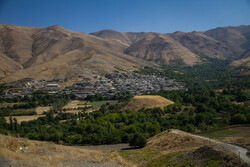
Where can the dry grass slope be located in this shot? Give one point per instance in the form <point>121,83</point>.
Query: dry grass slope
<point>147,101</point>
<point>169,142</point>
<point>171,149</point>
<point>47,154</point>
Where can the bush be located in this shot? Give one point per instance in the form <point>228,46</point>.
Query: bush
<point>239,119</point>
<point>138,140</point>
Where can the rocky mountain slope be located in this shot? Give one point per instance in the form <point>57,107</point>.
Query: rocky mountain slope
<point>28,53</point>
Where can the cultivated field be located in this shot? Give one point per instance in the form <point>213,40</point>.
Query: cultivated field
<point>74,104</point>
<point>39,113</point>
<point>72,107</point>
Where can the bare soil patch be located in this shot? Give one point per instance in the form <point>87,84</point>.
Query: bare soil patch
<point>39,111</point>
<point>74,104</point>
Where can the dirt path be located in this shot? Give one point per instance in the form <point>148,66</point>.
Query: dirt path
<point>111,147</point>
<point>229,147</point>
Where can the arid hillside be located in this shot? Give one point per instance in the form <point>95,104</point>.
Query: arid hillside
<point>147,101</point>
<point>177,148</point>
<point>57,53</point>
<point>162,49</point>
<point>26,153</point>
<point>29,53</point>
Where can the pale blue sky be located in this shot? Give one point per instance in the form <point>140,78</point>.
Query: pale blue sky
<point>126,15</point>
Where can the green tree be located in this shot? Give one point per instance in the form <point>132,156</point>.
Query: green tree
<point>138,140</point>
<point>239,119</point>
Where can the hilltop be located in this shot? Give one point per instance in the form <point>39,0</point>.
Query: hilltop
<point>147,101</point>
<point>30,53</point>
<point>169,148</point>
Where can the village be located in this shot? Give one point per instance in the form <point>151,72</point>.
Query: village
<point>107,85</point>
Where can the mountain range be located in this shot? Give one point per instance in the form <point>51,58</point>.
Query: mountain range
<point>30,53</point>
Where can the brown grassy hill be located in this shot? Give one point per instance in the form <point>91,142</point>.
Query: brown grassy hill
<point>113,35</point>
<point>171,149</point>
<point>147,101</point>
<point>124,38</point>
<point>162,49</point>
<point>235,37</point>
<point>57,53</point>
<point>168,141</point>
<point>244,61</point>
<point>26,153</point>
<point>202,44</point>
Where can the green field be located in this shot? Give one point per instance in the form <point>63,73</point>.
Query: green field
<point>220,133</point>
<point>98,104</point>
<point>83,103</point>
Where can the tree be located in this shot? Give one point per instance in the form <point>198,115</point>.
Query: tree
<point>239,119</point>
<point>16,125</point>
<point>138,140</point>
<point>11,123</point>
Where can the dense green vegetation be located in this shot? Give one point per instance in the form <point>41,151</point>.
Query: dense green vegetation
<point>39,98</point>
<point>111,125</point>
<point>200,108</point>
<point>19,109</point>
<point>213,73</point>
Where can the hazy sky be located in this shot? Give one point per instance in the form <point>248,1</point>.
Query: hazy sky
<point>126,15</point>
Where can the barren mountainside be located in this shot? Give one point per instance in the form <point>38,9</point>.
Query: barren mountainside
<point>57,53</point>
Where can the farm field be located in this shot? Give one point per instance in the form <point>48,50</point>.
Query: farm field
<point>74,104</point>
<point>39,113</point>
<point>72,107</point>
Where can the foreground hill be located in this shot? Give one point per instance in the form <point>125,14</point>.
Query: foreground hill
<point>147,101</point>
<point>28,53</point>
<point>26,153</point>
<point>177,148</point>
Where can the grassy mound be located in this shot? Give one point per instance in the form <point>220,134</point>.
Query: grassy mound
<point>147,101</point>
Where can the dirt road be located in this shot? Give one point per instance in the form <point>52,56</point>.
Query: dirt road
<point>111,147</point>
<point>229,147</point>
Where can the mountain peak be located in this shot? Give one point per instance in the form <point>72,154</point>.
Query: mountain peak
<point>105,32</point>
<point>55,27</point>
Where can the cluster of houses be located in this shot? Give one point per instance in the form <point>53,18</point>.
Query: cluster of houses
<point>113,83</point>
<point>107,85</point>
<point>26,89</point>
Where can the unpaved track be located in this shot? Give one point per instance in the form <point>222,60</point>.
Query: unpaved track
<point>229,147</point>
